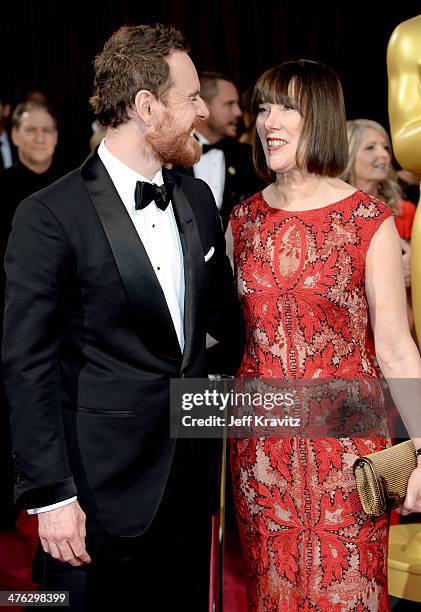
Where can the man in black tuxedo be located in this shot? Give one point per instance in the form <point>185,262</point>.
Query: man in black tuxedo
<point>114,276</point>
<point>225,164</point>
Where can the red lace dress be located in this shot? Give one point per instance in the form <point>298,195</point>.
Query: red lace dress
<point>305,539</point>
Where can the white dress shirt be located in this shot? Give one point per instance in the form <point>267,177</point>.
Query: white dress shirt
<point>5,150</point>
<point>211,169</point>
<point>158,232</point>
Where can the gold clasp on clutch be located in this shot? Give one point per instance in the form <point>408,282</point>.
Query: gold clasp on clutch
<point>391,498</point>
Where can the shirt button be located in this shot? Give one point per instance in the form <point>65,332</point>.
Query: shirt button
<point>158,268</point>
<point>153,224</point>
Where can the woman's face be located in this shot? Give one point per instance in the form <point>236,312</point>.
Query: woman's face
<point>279,129</point>
<point>373,158</point>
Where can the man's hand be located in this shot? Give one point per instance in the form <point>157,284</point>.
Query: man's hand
<point>62,534</point>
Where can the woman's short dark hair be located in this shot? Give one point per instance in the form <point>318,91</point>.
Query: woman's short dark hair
<point>133,58</point>
<point>315,90</point>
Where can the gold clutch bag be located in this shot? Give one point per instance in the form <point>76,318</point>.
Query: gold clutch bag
<point>382,477</point>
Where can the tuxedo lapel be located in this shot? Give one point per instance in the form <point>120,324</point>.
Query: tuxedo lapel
<point>230,172</point>
<point>151,314</point>
<point>188,171</point>
<point>194,265</point>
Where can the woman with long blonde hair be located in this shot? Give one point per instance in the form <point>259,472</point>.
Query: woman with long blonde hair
<point>370,169</point>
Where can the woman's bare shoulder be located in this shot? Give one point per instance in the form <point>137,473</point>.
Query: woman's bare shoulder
<point>338,189</point>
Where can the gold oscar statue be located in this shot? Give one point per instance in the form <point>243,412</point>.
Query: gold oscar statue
<point>404,74</point>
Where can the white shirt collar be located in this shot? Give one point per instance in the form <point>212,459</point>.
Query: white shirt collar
<point>201,139</point>
<point>123,177</point>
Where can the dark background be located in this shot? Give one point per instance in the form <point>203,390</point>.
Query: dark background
<point>50,45</point>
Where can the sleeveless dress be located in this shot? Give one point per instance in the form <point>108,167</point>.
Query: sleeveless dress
<point>306,541</point>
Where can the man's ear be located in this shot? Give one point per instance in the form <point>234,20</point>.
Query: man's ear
<point>144,103</point>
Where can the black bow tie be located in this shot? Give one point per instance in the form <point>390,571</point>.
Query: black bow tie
<point>209,147</point>
<point>145,193</point>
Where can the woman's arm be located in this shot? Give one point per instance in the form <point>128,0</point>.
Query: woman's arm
<point>396,352</point>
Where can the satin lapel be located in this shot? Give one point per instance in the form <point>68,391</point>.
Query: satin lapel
<point>230,171</point>
<point>145,295</point>
<point>194,267</point>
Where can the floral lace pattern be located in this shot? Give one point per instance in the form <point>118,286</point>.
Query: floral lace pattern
<point>306,541</point>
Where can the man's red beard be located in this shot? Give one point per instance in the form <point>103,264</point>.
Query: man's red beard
<point>173,146</point>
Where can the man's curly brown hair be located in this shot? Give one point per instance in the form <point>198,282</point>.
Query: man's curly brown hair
<point>133,58</point>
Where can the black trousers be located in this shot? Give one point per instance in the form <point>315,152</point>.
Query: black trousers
<point>166,568</point>
<point>8,511</point>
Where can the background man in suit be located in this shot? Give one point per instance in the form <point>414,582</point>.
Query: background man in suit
<point>34,134</point>
<point>112,277</point>
<point>225,164</point>
<point>7,152</point>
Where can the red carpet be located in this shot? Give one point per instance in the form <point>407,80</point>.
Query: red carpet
<point>234,571</point>
<point>17,550</point>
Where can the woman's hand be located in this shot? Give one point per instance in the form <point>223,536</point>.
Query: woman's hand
<point>412,501</point>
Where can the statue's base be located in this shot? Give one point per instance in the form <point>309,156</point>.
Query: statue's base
<point>404,561</point>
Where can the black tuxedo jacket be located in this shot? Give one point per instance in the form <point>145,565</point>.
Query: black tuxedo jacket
<point>241,180</point>
<point>89,345</point>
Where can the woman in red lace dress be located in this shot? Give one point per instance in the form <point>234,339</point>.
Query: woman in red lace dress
<point>315,261</point>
